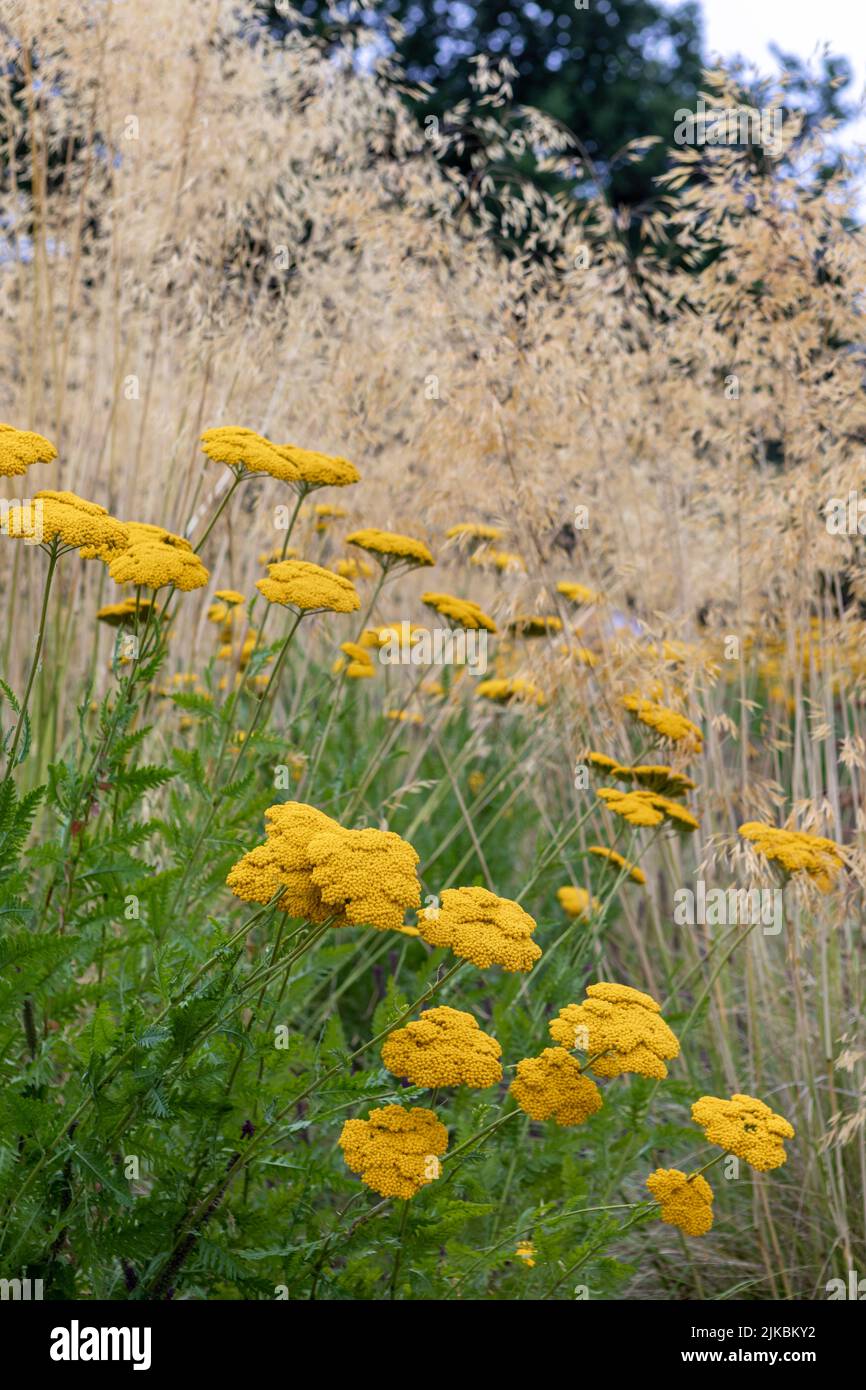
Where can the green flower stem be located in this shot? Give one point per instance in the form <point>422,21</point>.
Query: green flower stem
<point>481,1134</point>
<point>238,479</point>
<point>241,1160</point>
<point>109,1076</point>
<point>643,1211</point>
<point>22,713</point>
<point>401,1235</point>
<point>527,1231</point>
<point>219,796</point>
<point>313,767</point>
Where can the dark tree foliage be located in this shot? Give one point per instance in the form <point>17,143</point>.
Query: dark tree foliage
<point>611,72</point>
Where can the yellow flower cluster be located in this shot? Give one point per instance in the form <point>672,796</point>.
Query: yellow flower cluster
<point>127,611</point>
<point>70,521</point>
<point>308,588</point>
<point>395,1151</point>
<point>525,1251</point>
<point>686,1202</point>
<point>483,928</point>
<point>154,561</point>
<point>370,875</point>
<point>644,808</point>
<point>534,625</point>
<point>654,777</point>
<point>390,547</point>
<point>506,561</point>
<point>576,901</point>
<point>746,1127</point>
<point>553,1086</point>
<point>21,448</point>
<point>445,1047</point>
<point>667,723</point>
<point>355,876</point>
<point>577,593</point>
<point>623,1025</point>
<point>797,852</point>
<point>313,470</point>
<point>632,871</point>
<point>350,568</point>
<point>461,611</point>
<point>503,690</point>
<point>360,664</point>
<point>476,530</point>
<point>245,449</point>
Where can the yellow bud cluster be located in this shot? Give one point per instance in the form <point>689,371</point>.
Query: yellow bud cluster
<point>553,1086</point>
<point>623,1025</point>
<point>483,928</point>
<point>686,1202</point>
<point>445,1047</point>
<point>396,1151</point>
<point>746,1127</point>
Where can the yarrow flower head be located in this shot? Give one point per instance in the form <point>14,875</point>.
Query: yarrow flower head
<point>644,808</point>
<point>745,1127</point>
<point>503,690</point>
<point>308,588</point>
<point>360,664</point>
<point>654,777</point>
<point>576,901</point>
<point>602,762</point>
<point>126,613</point>
<point>475,530</point>
<point>667,723</point>
<point>370,875</point>
<point>795,851</point>
<point>577,593</point>
<point>445,1047</point>
<point>69,522</point>
<point>506,561</point>
<point>152,564</point>
<point>686,1202</point>
<point>483,928</point>
<point>245,451</point>
<point>355,876</point>
<point>631,871</point>
<point>395,1151</point>
<point>390,548</point>
<point>534,625</point>
<point>621,1024</point>
<point>461,611</point>
<point>315,470</point>
<point>553,1086</point>
<point>283,861</point>
<point>21,448</point>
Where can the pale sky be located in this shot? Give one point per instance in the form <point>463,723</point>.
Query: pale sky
<point>748,27</point>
